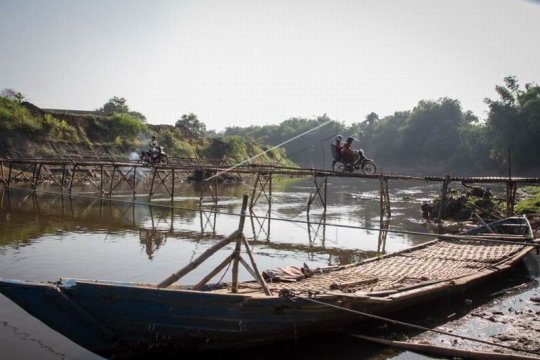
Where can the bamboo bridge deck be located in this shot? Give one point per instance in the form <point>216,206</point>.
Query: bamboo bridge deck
<point>106,175</point>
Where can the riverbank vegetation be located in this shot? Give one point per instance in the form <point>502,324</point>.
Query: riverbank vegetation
<point>435,137</point>
<point>26,130</point>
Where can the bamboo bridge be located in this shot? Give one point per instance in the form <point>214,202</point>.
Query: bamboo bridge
<point>108,175</point>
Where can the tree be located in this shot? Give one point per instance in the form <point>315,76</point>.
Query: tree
<point>191,126</point>
<point>371,118</point>
<point>12,94</point>
<point>514,123</point>
<point>117,105</point>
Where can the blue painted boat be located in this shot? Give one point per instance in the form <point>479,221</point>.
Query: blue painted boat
<point>111,317</point>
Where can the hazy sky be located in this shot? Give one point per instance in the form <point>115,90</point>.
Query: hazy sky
<point>243,62</point>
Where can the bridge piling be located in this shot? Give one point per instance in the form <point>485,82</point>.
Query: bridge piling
<point>319,186</point>
<point>511,190</point>
<point>384,197</point>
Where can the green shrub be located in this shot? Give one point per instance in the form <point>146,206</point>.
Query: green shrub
<point>531,203</point>
<point>15,117</point>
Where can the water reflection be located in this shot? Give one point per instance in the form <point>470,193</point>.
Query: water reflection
<point>26,216</point>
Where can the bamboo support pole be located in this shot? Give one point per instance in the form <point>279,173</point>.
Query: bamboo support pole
<point>134,182</point>
<point>214,272</point>
<point>102,181</point>
<point>152,184</point>
<point>33,181</point>
<point>511,189</point>
<point>9,174</point>
<point>112,181</point>
<point>195,263</point>
<point>72,178</point>
<point>62,189</point>
<point>325,192</point>
<point>258,276</point>
<point>172,186</point>
<point>238,246</point>
<point>253,193</point>
<point>484,223</point>
<point>442,203</point>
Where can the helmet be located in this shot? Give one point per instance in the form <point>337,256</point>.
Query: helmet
<point>339,138</point>
<point>350,139</point>
<point>153,138</point>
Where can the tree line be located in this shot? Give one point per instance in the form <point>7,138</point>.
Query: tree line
<point>436,136</point>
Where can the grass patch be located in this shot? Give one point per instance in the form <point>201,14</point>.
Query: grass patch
<point>531,203</point>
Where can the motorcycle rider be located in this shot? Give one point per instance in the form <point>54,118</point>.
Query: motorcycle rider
<point>153,145</point>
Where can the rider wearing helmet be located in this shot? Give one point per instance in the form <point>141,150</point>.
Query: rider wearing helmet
<point>338,144</point>
<point>337,147</point>
<point>348,152</point>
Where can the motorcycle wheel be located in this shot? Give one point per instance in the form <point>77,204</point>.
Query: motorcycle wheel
<point>338,166</point>
<point>164,159</point>
<point>369,168</point>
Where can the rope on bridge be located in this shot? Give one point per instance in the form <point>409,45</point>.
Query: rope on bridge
<point>272,148</point>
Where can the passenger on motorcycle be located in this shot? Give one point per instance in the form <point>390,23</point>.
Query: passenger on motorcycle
<point>349,154</point>
<point>336,147</point>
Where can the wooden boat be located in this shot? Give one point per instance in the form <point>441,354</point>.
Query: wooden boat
<point>112,317</point>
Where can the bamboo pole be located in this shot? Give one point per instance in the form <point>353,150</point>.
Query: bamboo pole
<point>253,199</point>
<point>270,194</point>
<point>172,186</point>
<point>258,276</point>
<point>214,272</point>
<point>101,183</point>
<point>72,178</point>
<point>134,182</point>
<point>484,223</point>
<point>9,174</point>
<point>195,263</point>
<point>443,197</point>
<point>152,185</point>
<point>237,248</point>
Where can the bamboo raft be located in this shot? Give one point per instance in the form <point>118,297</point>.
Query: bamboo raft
<point>439,261</point>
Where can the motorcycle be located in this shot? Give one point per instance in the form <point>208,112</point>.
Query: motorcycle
<point>155,156</point>
<point>361,162</point>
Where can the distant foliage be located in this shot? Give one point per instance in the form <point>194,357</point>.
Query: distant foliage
<point>191,126</point>
<point>514,123</point>
<point>120,127</point>
<point>118,105</point>
<point>435,136</point>
<point>12,94</point>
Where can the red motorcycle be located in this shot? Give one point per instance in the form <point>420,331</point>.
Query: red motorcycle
<point>361,162</point>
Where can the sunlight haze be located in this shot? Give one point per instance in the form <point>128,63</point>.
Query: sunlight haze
<point>241,63</point>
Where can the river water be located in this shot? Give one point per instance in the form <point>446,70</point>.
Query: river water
<point>45,236</point>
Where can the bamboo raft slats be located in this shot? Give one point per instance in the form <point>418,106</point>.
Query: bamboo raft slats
<point>438,261</point>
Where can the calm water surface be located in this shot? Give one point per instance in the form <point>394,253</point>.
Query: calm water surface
<point>45,236</point>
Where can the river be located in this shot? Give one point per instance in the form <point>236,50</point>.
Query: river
<point>45,236</point>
